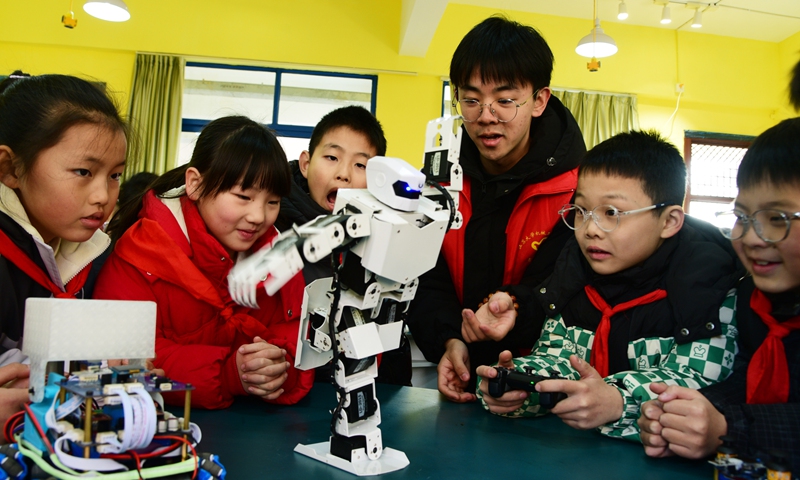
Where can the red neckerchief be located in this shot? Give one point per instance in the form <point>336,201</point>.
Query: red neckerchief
<point>768,372</point>
<point>10,251</point>
<point>599,358</point>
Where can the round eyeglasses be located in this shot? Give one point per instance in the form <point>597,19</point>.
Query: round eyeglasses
<point>503,109</point>
<point>606,217</point>
<point>772,226</point>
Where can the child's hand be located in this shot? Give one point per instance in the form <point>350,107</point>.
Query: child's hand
<point>453,372</point>
<point>492,321</point>
<point>591,401</point>
<point>15,375</point>
<point>150,366</point>
<point>690,424</point>
<point>649,426</point>
<point>14,394</point>
<point>511,400</point>
<point>262,368</point>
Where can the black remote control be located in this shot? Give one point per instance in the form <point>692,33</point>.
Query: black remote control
<point>508,379</point>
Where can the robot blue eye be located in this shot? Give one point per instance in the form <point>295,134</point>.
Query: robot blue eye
<point>404,190</point>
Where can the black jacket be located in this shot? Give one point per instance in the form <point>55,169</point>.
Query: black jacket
<point>298,209</point>
<point>697,267</point>
<point>761,428</point>
<point>435,313</point>
<point>16,286</point>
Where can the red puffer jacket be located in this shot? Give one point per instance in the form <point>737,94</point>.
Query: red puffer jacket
<point>199,328</point>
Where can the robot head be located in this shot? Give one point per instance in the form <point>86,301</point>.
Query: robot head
<point>395,182</point>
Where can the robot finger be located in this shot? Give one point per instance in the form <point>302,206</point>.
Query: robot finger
<point>235,287</point>
<point>252,293</point>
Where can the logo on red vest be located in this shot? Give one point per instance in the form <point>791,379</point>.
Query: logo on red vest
<point>534,238</point>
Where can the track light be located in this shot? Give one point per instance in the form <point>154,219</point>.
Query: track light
<point>623,10</point>
<point>110,10</point>
<point>665,16</point>
<point>698,19</point>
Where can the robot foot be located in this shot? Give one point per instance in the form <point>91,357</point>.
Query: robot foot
<point>389,461</point>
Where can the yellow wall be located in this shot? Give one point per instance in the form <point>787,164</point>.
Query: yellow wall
<point>731,85</point>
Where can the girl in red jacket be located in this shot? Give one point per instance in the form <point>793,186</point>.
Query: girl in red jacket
<point>176,246</point>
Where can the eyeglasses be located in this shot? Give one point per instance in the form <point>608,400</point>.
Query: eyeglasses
<point>503,109</point>
<point>772,226</point>
<point>606,217</point>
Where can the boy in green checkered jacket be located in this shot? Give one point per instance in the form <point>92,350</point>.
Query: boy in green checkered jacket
<point>641,294</point>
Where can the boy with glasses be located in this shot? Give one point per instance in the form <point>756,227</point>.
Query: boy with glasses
<point>640,294</point>
<point>519,159</point>
<point>759,405</point>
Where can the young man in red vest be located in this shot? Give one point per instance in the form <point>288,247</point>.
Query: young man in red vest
<point>520,158</point>
<point>640,294</point>
<point>759,405</point>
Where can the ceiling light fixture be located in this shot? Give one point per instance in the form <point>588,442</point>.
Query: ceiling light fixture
<point>698,19</point>
<point>623,11</point>
<point>665,16</point>
<point>596,45</point>
<point>110,10</point>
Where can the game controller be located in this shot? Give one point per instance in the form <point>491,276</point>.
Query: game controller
<point>508,379</point>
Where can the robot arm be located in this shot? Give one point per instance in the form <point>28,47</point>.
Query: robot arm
<point>274,266</point>
<point>441,165</point>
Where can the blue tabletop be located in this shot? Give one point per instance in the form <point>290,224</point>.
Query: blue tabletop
<point>441,439</point>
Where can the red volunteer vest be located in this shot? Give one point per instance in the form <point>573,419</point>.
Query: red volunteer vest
<point>531,221</point>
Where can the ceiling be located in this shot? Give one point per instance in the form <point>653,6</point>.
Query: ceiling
<point>767,20</point>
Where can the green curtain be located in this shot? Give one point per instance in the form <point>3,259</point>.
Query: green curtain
<point>600,115</point>
<point>155,113</point>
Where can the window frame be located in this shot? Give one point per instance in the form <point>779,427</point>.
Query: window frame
<point>446,106</point>
<point>281,130</point>
<point>708,138</point>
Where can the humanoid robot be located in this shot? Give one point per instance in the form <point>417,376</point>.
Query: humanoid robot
<point>381,240</point>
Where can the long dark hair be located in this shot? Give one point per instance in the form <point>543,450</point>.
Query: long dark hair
<point>230,151</point>
<point>35,111</point>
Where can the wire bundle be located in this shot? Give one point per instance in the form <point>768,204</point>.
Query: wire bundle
<point>140,425</point>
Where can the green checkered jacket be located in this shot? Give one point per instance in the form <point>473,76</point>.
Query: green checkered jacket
<point>696,364</point>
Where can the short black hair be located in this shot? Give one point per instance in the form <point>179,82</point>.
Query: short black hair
<point>357,119</point>
<point>794,87</point>
<point>502,51</point>
<point>645,156</point>
<point>773,157</point>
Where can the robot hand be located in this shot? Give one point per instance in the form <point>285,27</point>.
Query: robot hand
<point>273,266</point>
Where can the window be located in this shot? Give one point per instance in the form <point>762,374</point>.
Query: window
<point>712,161</point>
<point>447,104</point>
<point>290,102</point>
